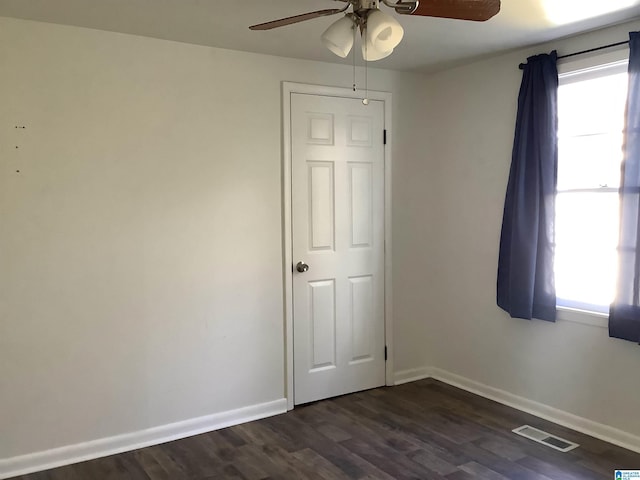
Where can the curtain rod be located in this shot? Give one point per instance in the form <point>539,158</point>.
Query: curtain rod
<point>611,45</point>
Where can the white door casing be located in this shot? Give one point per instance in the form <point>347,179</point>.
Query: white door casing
<point>338,230</point>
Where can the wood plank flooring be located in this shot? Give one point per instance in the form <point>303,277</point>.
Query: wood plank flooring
<point>422,430</point>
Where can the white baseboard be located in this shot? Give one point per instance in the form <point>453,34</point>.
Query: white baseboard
<point>411,375</point>
<point>34,462</point>
<point>580,424</point>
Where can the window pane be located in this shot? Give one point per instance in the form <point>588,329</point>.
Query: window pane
<point>592,106</point>
<point>586,240</point>
<point>591,116</point>
<point>589,161</point>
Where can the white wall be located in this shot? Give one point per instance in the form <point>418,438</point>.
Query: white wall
<point>140,243</point>
<point>454,203</point>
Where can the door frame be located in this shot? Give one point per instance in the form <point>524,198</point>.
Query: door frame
<point>289,88</point>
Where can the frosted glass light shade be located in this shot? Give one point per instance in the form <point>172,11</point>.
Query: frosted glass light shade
<point>370,53</point>
<point>383,31</point>
<point>339,37</point>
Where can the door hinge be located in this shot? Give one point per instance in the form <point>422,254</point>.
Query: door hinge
<point>384,136</point>
<point>385,353</point>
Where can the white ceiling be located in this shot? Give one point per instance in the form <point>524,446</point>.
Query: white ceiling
<point>429,43</point>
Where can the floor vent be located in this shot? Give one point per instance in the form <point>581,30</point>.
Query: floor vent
<point>545,438</point>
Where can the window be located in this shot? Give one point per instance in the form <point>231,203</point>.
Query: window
<point>591,107</point>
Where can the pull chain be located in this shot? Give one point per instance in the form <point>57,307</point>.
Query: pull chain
<point>365,100</point>
<point>354,56</point>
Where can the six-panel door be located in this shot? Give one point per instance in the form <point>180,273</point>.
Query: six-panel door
<point>338,230</point>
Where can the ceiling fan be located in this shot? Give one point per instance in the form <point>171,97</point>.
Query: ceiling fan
<point>381,33</point>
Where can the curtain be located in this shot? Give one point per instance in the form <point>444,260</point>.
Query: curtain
<point>526,284</point>
<point>624,315</point>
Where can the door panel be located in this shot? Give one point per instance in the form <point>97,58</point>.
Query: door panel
<point>322,314</point>
<point>338,231</point>
<point>361,310</point>
<point>361,199</point>
<point>321,197</point>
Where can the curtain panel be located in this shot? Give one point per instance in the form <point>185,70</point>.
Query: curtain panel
<point>526,284</point>
<point>624,314</point>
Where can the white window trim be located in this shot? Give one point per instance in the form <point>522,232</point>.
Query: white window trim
<point>594,62</point>
<point>567,71</point>
<point>584,317</point>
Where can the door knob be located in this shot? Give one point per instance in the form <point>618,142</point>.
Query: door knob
<point>302,267</point>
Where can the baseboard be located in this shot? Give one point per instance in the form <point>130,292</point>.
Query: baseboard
<point>35,462</point>
<point>411,375</point>
<point>580,424</point>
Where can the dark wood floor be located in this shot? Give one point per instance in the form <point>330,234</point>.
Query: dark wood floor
<point>422,430</point>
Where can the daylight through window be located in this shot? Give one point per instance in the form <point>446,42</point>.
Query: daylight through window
<point>591,108</point>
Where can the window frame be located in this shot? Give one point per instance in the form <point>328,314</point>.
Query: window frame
<point>574,70</point>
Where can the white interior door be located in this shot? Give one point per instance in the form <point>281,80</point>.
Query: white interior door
<point>337,177</point>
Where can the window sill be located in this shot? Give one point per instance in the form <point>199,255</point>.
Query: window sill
<point>593,319</point>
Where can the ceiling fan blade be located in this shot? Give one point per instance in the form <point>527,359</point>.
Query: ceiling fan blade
<point>476,10</point>
<point>295,19</point>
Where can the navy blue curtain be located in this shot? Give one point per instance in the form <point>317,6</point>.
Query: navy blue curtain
<point>526,284</point>
<point>624,315</point>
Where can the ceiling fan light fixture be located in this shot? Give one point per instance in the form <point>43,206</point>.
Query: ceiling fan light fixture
<point>370,53</point>
<point>339,36</point>
<point>383,31</point>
